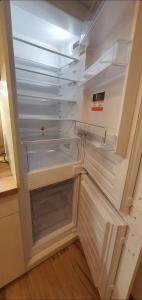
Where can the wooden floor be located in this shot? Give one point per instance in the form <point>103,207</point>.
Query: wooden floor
<point>65,276</point>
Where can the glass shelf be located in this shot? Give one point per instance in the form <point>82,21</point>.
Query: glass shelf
<point>32,99</point>
<point>68,74</point>
<point>43,153</point>
<point>28,76</point>
<point>114,60</point>
<point>44,108</point>
<point>49,128</point>
<point>30,63</point>
<point>42,53</point>
<point>41,117</point>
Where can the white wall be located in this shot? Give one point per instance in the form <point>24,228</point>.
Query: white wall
<point>6,123</point>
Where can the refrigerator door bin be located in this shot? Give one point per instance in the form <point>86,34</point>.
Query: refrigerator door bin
<point>118,56</point>
<point>96,136</point>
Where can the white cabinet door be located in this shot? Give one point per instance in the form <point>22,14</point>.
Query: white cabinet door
<point>101,231</point>
<point>11,249</point>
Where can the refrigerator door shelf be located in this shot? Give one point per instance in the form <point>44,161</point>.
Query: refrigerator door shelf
<point>97,136</point>
<point>114,62</point>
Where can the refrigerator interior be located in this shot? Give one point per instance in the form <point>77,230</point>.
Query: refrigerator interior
<point>49,100</point>
<point>48,93</point>
<point>62,82</point>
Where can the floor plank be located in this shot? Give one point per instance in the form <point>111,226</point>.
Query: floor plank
<point>63,277</point>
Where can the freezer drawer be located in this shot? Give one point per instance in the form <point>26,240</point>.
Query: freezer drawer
<point>101,231</point>
<point>51,208</point>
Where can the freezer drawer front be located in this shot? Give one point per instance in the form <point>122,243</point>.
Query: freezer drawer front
<point>101,231</point>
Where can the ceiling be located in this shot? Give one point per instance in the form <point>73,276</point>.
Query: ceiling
<point>76,8</point>
<point>87,3</point>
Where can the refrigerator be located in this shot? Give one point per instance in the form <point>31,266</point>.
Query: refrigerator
<point>74,90</point>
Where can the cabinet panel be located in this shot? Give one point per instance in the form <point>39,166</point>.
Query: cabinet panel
<point>8,205</point>
<point>11,252</point>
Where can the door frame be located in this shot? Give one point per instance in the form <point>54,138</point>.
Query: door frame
<point>135,155</point>
<point>20,178</point>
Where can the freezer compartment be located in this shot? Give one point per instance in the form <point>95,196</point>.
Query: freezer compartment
<point>41,154</point>
<point>51,208</point>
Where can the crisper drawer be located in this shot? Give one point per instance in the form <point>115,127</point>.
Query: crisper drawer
<point>101,231</point>
<point>51,208</point>
<point>41,154</point>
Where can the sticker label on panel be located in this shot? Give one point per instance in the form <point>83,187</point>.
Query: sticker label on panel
<point>98,101</point>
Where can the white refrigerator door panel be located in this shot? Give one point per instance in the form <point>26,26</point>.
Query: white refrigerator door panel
<point>101,231</point>
<point>108,170</point>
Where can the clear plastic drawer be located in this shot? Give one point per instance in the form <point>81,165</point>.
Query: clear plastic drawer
<point>41,154</point>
